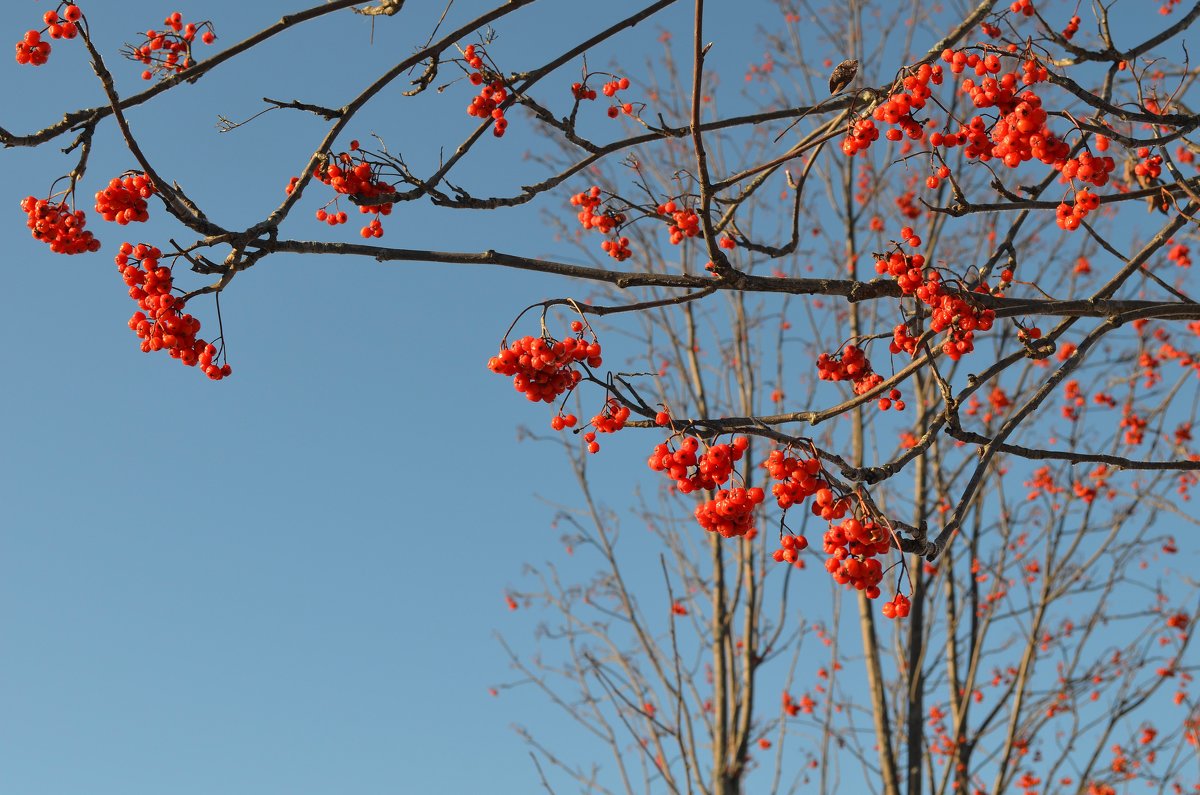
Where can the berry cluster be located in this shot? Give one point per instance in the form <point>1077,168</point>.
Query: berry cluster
<point>692,472</point>
<point>1069,216</point>
<point>610,89</point>
<point>58,227</point>
<point>899,606</point>
<point>124,200</point>
<point>160,322</point>
<point>797,478</point>
<point>489,102</point>
<point>1072,28</point>
<point>948,310</point>
<point>33,50</point>
<point>543,367</point>
<point>853,547</point>
<point>684,221</point>
<point>1087,167</point>
<point>581,91</point>
<point>169,51</point>
<point>611,418</point>
<point>898,108</point>
<point>790,547</point>
<point>850,364</point>
<point>605,222</point>
<point>1022,7</point>
<point>731,512</point>
<point>360,179</point>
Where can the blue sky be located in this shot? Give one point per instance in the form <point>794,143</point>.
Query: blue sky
<point>289,581</point>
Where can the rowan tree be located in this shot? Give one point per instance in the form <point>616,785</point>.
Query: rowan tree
<point>903,326</point>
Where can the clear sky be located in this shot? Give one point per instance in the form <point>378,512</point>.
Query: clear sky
<point>289,581</point>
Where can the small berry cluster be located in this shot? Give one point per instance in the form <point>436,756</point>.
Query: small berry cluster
<point>852,365</point>
<point>692,472</point>
<point>1069,216</point>
<point>581,92</point>
<point>169,51</point>
<point>543,367</point>
<point>936,178</point>
<point>610,420</point>
<point>489,102</point>
<point>124,200</point>
<point>610,89</point>
<point>1022,7</point>
<point>730,512</point>
<point>684,221</point>
<point>1072,28</point>
<point>790,547</point>
<point>358,178</point>
<point>1149,166</point>
<point>899,606</point>
<point>58,227</point>
<point>606,222</point>
<point>160,322</point>
<point>33,50</point>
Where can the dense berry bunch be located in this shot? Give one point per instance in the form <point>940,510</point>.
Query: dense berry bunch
<point>169,51</point>
<point>161,323</point>
<point>124,200</point>
<point>730,512</point>
<point>692,471</point>
<point>853,547</point>
<point>543,367</point>
<point>1086,167</point>
<point>606,222</point>
<point>1072,28</point>
<point>58,227</point>
<point>357,177</point>
<point>33,50</point>
<point>581,91</point>
<point>798,478</point>
<point>684,221</point>
<point>489,102</point>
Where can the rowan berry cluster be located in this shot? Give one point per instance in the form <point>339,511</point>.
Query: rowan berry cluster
<point>730,512</point>
<point>1088,168</point>
<point>124,200</point>
<point>850,364</point>
<point>58,227</point>
<point>489,102</point>
<point>897,110</point>
<point>948,310</point>
<point>1072,28</point>
<point>790,547</point>
<point>606,222</point>
<point>33,50</point>
<point>610,89</point>
<point>357,177</point>
<point>1022,7</point>
<point>692,471</point>
<point>898,607</point>
<point>1069,216</point>
<point>853,547</point>
<point>797,478</point>
<point>161,323</point>
<point>581,91</point>
<point>936,179</point>
<point>684,221</point>
<point>611,418</point>
<point>543,367</point>
<point>1149,166</point>
<point>169,51</point>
